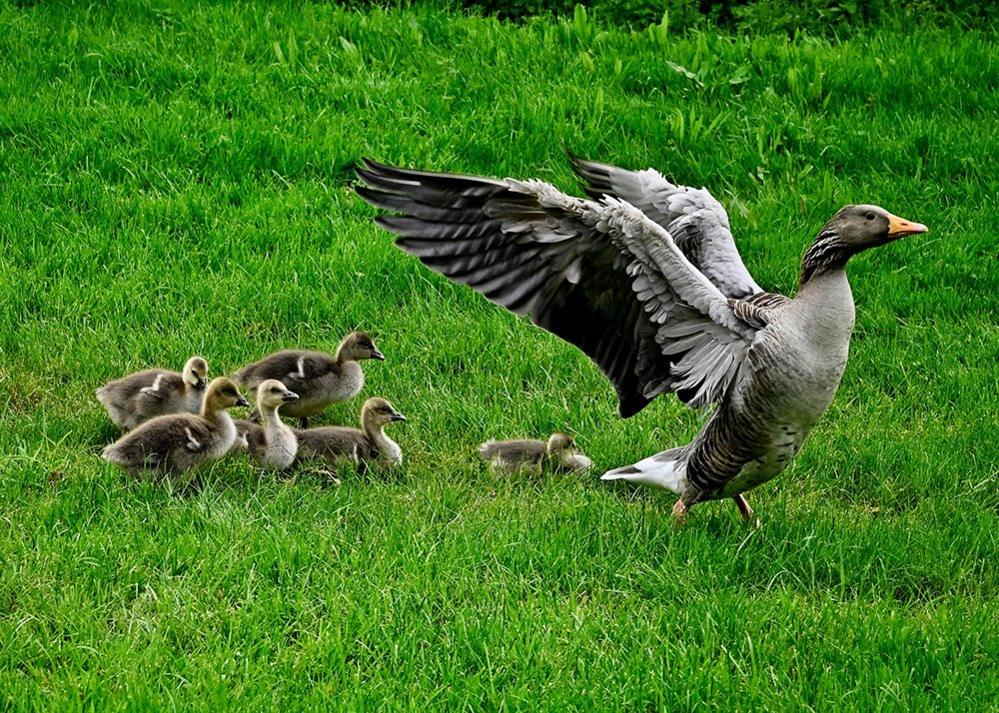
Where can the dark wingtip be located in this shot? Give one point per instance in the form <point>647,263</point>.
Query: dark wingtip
<point>629,405</point>
<point>370,195</point>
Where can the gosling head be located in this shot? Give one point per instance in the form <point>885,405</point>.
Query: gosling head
<point>358,345</point>
<point>272,393</point>
<point>222,394</point>
<point>853,229</point>
<point>379,412</point>
<point>196,373</point>
<point>559,443</point>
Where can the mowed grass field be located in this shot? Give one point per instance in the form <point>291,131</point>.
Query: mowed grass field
<point>177,180</point>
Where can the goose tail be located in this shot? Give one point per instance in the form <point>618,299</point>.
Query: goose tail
<point>666,471</point>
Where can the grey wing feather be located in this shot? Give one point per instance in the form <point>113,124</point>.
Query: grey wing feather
<point>568,263</point>
<point>697,222</point>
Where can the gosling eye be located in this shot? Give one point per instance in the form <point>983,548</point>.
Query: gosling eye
<point>869,216</point>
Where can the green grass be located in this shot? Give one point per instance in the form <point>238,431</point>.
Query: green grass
<point>176,180</point>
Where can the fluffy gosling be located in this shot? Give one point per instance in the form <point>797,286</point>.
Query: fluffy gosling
<point>138,397</point>
<point>318,378</point>
<point>272,443</point>
<point>559,451</point>
<point>176,443</point>
<point>361,445</point>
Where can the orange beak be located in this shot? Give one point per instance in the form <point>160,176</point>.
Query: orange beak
<point>900,227</point>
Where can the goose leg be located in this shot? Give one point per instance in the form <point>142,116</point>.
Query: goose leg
<point>747,512</point>
<point>304,421</point>
<point>680,512</point>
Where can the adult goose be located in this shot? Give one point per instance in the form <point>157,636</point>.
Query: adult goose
<point>646,279</point>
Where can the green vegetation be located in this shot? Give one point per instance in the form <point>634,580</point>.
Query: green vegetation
<point>176,180</point>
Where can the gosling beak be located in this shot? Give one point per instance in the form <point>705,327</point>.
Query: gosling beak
<point>241,401</point>
<point>200,384</point>
<point>375,354</point>
<point>900,227</point>
<point>289,396</point>
<point>398,416</point>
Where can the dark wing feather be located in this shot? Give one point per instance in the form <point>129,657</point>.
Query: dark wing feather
<point>697,222</point>
<point>602,276</point>
<point>534,259</point>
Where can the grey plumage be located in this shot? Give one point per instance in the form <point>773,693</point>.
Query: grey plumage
<point>559,451</point>
<point>357,445</point>
<point>271,443</point>
<point>143,395</point>
<point>647,281</point>
<point>318,378</point>
<point>175,443</point>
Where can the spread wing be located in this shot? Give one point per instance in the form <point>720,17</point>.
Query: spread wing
<point>698,223</point>
<point>600,275</point>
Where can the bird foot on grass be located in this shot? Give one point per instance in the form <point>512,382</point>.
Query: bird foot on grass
<point>748,516</point>
<point>679,513</point>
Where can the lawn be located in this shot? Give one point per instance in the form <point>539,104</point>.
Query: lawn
<point>177,179</point>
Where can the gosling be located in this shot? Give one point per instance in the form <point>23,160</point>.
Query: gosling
<point>318,378</point>
<point>331,443</point>
<point>559,451</point>
<point>272,444</point>
<point>138,397</point>
<point>175,443</point>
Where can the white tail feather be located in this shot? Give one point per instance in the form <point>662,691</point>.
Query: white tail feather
<point>654,472</point>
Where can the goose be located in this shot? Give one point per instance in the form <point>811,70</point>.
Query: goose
<point>318,378</point>
<point>140,396</point>
<point>272,443</point>
<point>645,278</point>
<point>175,443</point>
<point>357,445</point>
<point>559,450</point>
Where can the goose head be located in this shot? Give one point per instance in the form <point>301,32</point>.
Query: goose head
<point>853,229</point>
<point>359,345</point>
<point>559,443</point>
<point>272,393</point>
<point>378,412</point>
<point>196,373</point>
<point>222,394</point>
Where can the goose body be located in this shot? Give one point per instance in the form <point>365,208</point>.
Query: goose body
<point>319,379</point>
<point>358,445</point>
<point>531,454</point>
<point>176,443</point>
<point>646,279</point>
<point>138,397</point>
<point>271,443</point>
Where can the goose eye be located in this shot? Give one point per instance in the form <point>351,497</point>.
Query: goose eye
<point>869,216</point>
